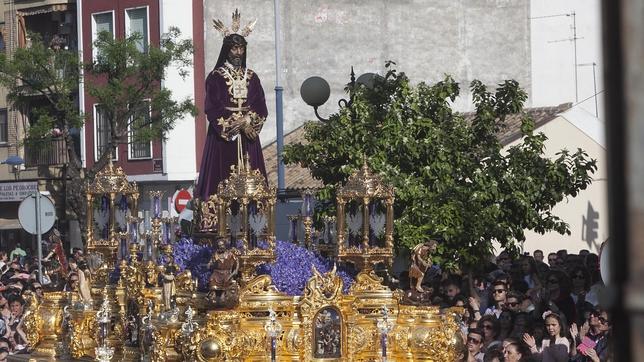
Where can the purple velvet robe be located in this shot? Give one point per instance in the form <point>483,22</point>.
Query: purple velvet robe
<point>220,154</point>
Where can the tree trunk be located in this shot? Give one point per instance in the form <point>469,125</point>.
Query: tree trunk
<point>75,200</point>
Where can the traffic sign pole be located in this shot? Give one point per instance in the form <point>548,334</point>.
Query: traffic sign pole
<point>39,236</point>
<point>45,213</point>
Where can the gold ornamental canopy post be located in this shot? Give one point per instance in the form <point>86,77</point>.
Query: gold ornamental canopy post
<point>247,214</point>
<point>365,219</point>
<point>104,195</point>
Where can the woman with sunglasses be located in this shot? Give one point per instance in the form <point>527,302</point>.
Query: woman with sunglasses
<point>556,297</point>
<point>555,347</point>
<point>591,340</point>
<point>491,328</point>
<point>580,285</point>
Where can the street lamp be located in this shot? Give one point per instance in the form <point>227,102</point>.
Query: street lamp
<point>315,91</point>
<point>14,161</point>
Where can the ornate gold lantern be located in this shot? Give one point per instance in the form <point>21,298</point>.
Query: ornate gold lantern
<point>365,219</point>
<point>206,219</point>
<point>110,198</point>
<point>247,214</point>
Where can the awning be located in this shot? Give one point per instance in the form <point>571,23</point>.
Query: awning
<point>9,224</point>
<point>43,9</point>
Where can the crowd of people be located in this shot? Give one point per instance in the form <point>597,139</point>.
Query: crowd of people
<point>20,286</point>
<point>18,279</point>
<point>531,309</point>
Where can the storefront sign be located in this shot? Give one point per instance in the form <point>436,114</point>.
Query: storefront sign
<point>16,191</point>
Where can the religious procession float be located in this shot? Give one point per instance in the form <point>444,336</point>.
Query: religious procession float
<point>146,294</point>
<point>228,290</point>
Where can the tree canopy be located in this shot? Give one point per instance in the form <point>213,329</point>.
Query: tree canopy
<point>124,80</point>
<point>453,178</point>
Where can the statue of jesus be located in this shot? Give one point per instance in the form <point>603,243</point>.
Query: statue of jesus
<point>236,111</point>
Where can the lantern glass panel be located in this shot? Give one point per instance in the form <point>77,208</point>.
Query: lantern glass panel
<point>121,212</point>
<point>257,225</point>
<point>354,222</point>
<point>377,223</point>
<point>234,223</point>
<point>101,215</point>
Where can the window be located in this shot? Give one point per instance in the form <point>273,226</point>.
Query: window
<point>101,22</point>
<point>102,127</point>
<point>4,126</point>
<point>136,21</point>
<point>138,125</point>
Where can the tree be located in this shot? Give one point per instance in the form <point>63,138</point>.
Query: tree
<point>125,81</point>
<point>452,178</point>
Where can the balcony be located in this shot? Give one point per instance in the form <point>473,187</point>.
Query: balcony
<point>51,152</point>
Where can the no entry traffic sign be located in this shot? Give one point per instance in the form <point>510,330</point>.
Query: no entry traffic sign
<point>181,198</point>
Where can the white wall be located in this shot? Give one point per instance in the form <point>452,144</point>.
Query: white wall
<point>179,148</point>
<point>575,129</point>
<point>487,40</point>
<point>553,60</point>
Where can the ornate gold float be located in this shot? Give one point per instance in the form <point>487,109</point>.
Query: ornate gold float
<point>133,318</point>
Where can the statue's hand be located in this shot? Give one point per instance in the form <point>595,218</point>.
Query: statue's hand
<point>251,133</point>
<point>238,122</point>
<point>247,127</point>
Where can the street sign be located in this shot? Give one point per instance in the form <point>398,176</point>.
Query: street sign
<point>181,199</point>
<point>27,214</point>
<point>16,191</point>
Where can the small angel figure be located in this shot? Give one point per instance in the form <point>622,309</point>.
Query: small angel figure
<point>420,261</point>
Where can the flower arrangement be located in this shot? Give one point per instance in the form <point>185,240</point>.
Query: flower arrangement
<point>292,268</point>
<point>194,257</point>
<point>290,271</point>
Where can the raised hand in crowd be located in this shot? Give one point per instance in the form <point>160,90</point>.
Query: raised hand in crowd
<point>574,335</point>
<point>583,331</point>
<point>476,307</point>
<point>592,354</point>
<point>574,332</point>
<point>530,342</point>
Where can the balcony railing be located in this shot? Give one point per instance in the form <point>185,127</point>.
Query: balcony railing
<point>46,153</point>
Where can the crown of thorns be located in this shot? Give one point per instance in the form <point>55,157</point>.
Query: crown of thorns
<point>234,28</point>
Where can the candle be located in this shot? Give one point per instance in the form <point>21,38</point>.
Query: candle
<point>123,248</point>
<point>148,248</point>
<point>173,234</point>
<point>133,229</point>
<point>309,205</point>
<point>166,232</point>
<point>156,206</point>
